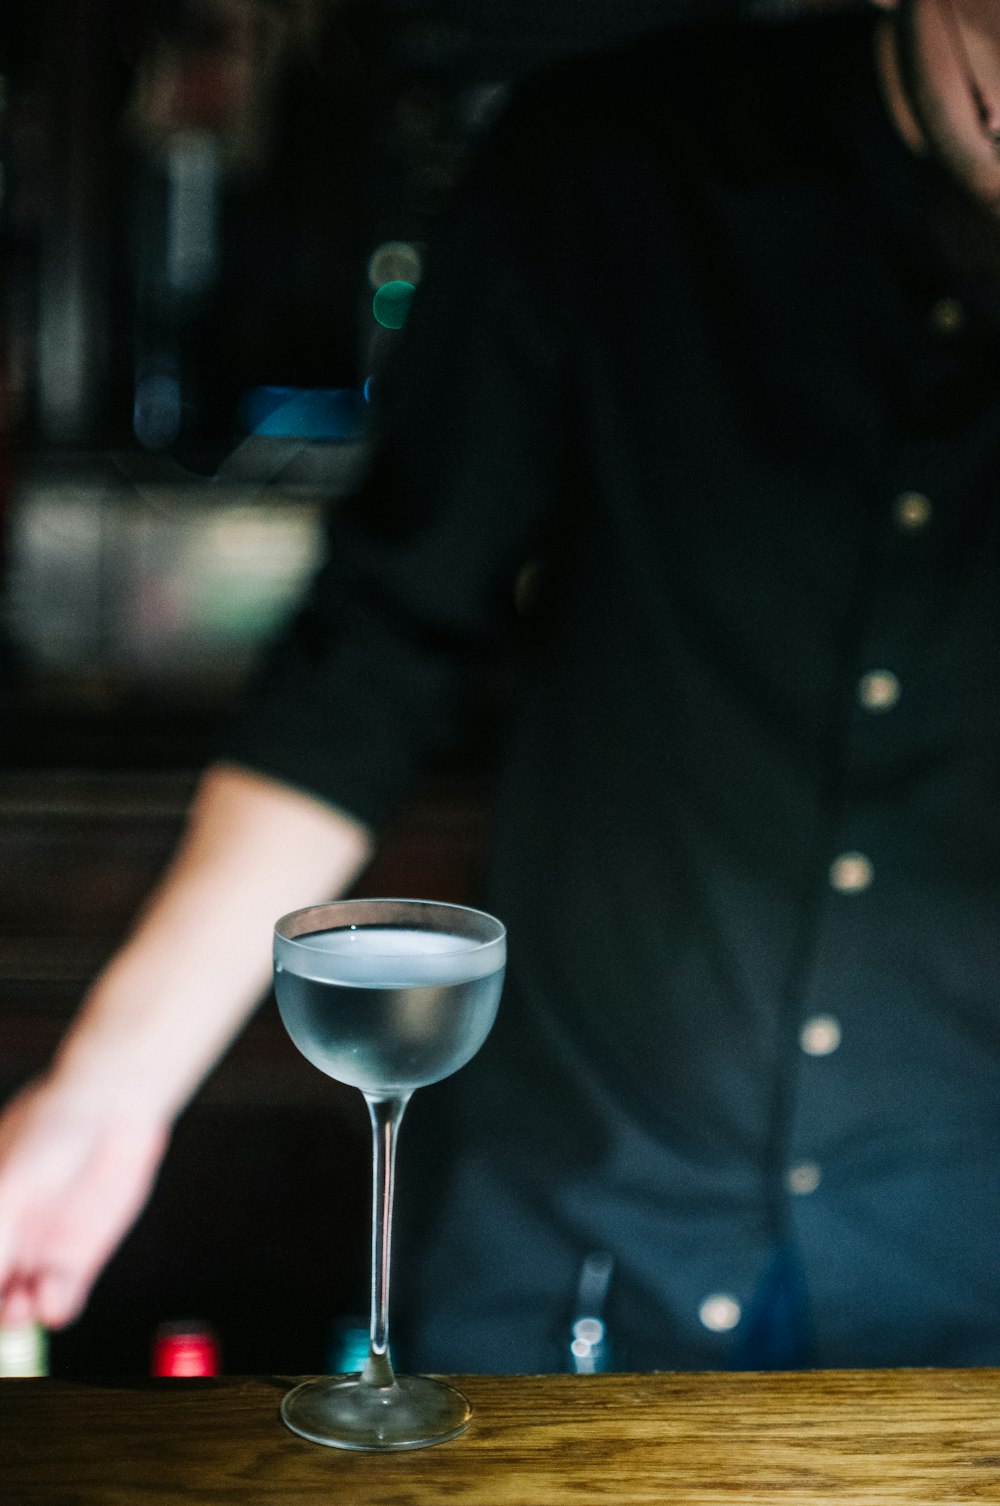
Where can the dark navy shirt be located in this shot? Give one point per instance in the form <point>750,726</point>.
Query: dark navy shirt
<point>708,345</point>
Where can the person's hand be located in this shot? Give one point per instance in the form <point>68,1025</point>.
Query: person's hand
<point>73,1179</point>
<point>79,1148</point>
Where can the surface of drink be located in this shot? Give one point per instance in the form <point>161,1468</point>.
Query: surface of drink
<point>386,1008</point>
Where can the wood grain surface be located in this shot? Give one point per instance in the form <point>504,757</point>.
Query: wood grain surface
<point>864,1437</point>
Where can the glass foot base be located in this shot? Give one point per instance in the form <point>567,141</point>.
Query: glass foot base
<point>342,1412</point>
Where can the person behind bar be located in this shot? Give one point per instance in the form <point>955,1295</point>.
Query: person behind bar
<point>714,335</point>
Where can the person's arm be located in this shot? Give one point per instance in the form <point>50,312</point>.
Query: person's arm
<point>79,1148</point>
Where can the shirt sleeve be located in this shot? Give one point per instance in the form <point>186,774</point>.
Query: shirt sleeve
<point>415,600</point>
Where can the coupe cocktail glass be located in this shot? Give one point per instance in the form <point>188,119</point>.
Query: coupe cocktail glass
<point>386,995</point>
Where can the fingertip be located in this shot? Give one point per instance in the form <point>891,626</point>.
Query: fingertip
<point>17,1305</point>
<point>58,1301</point>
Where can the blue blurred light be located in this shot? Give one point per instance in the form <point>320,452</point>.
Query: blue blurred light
<point>348,1349</point>
<point>303,412</point>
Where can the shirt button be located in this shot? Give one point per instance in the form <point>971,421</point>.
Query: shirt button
<point>912,511</point>
<point>947,316</point>
<point>851,873</point>
<point>820,1036</point>
<point>879,690</point>
<point>720,1312</point>
<point>804,1178</point>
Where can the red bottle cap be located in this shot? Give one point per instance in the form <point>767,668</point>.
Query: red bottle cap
<point>185,1348</point>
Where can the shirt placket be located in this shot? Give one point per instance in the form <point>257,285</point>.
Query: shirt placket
<point>856,872</point>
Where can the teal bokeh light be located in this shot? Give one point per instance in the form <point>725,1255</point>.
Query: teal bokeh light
<point>391,304</point>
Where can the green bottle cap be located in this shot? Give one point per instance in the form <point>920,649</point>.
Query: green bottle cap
<point>24,1350</point>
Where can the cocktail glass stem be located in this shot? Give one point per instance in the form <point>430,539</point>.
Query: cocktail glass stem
<point>386,1115</point>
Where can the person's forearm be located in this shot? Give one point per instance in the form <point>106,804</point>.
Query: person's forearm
<point>198,960</point>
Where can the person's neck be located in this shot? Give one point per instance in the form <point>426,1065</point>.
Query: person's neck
<point>891,80</point>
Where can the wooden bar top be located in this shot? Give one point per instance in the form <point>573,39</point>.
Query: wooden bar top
<point>811,1438</point>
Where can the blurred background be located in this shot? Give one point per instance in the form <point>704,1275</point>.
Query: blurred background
<point>212,216</point>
